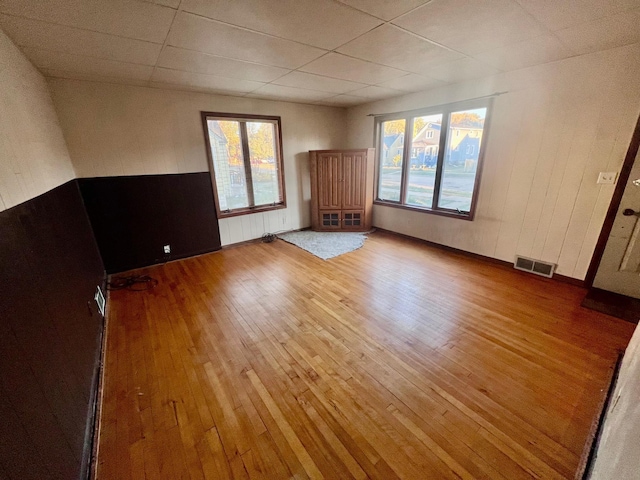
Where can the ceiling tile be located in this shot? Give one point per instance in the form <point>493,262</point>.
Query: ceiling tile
<point>322,23</point>
<point>197,62</point>
<point>389,45</point>
<point>60,38</point>
<point>385,9</point>
<point>52,73</point>
<point>374,93</point>
<point>166,3</point>
<point>126,18</point>
<point>288,93</point>
<point>348,68</point>
<point>557,15</point>
<point>470,26</point>
<point>343,101</point>
<point>204,35</point>
<point>317,82</point>
<point>534,51</point>
<point>461,70</point>
<point>209,82</point>
<point>604,33</point>
<point>46,59</point>
<point>412,83</point>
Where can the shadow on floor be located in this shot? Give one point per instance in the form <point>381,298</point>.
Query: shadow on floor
<point>613,304</point>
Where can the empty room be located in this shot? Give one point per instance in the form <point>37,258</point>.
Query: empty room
<point>319,239</point>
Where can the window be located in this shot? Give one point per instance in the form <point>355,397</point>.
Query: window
<point>245,158</point>
<point>442,173</point>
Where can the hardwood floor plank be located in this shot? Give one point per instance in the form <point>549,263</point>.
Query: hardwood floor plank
<point>396,360</point>
<point>291,437</point>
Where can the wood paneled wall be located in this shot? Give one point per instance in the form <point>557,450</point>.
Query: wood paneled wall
<point>134,217</point>
<point>559,125</point>
<point>117,130</point>
<point>33,154</point>
<point>50,335</point>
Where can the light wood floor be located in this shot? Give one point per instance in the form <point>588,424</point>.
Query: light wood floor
<point>394,361</point>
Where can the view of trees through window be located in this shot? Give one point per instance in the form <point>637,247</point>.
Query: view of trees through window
<point>438,175</point>
<point>245,179</point>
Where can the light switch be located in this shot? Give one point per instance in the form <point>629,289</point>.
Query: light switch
<point>607,177</point>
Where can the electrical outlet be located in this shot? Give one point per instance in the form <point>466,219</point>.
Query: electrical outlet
<point>607,177</point>
<point>167,249</point>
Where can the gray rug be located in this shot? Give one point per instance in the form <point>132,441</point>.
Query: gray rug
<point>325,244</point>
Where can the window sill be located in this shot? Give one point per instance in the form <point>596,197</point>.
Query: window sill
<point>248,211</point>
<point>442,213</point>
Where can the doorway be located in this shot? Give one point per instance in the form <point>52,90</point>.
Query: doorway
<point>614,273</point>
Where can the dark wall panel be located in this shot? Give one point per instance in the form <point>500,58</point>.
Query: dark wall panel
<point>50,335</point>
<point>134,217</point>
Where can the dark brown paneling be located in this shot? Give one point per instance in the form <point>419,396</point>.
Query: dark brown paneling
<point>49,335</point>
<point>134,217</point>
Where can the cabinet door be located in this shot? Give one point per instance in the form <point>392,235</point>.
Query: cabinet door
<point>329,181</point>
<point>330,219</point>
<point>352,219</point>
<point>354,177</point>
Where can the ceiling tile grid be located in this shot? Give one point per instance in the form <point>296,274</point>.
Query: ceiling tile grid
<point>329,52</point>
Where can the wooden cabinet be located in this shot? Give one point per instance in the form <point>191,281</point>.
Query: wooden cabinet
<point>341,189</point>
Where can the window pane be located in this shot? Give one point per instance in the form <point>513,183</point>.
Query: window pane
<point>424,158</point>
<point>264,167</point>
<point>461,158</point>
<point>226,151</point>
<point>391,149</point>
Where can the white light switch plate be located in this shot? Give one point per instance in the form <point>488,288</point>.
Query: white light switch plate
<point>607,177</point>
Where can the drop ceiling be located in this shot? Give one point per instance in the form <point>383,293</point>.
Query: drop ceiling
<point>326,52</point>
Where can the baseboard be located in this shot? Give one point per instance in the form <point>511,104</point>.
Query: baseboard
<point>259,239</point>
<point>98,393</point>
<point>173,258</point>
<point>477,256</point>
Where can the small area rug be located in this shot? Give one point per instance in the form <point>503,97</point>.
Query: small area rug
<point>325,245</point>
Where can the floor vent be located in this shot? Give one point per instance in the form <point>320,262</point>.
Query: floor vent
<point>534,266</point>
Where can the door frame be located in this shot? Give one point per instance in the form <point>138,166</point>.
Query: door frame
<point>607,226</point>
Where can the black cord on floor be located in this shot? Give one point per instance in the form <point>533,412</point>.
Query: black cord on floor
<point>136,283</point>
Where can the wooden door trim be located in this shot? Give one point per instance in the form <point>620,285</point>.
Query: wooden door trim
<point>607,226</point>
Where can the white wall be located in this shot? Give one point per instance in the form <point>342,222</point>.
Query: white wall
<point>33,154</point>
<point>114,130</point>
<point>618,454</point>
<point>559,125</point>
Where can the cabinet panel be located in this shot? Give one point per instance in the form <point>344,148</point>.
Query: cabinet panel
<point>354,180</point>
<point>330,219</point>
<point>329,181</point>
<point>353,219</point>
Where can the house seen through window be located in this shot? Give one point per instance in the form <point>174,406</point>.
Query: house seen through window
<point>245,161</point>
<point>442,171</point>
